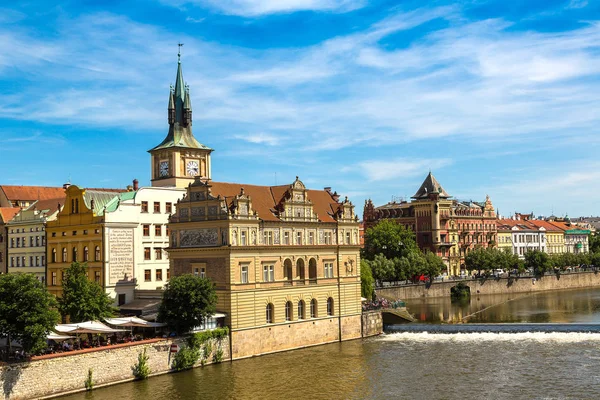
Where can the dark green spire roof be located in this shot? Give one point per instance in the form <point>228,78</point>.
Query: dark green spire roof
<point>180,127</point>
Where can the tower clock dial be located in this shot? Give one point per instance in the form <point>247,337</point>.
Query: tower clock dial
<point>191,168</point>
<point>164,168</point>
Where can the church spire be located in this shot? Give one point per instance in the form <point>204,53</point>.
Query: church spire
<point>180,115</point>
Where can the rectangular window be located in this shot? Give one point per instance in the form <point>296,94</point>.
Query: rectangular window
<point>30,241</point>
<point>97,276</point>
<point>159,274</point>
<point>54,279</point>
<point>168,208</point>
<point>298,238</point>
<point>53,234</point>
<point>18,242</point>
<point>31,264</point>
<point>202,272</point>
<point>146,230</point>
<point>85,232</point>
<point>347,237</point>
<point>12,261</point>
<point>144,206</point>
<point>157,230</point>
<point>268,273</point>
<point>156,207</point>
<point>286,238</point>
<point>158,254</point>
<point>74,233</point>
<point>167,230</point>
<point>147,275</point>
<point>311,238</point>
<point>147,253</point>
<point>327,236</point>
<point>268,237</point>
<point>168,273</point>
<point>43,261</point>
<point>328,270</point>
<point>37,241</point>
<point>243,239</point>
<point>244,276</point>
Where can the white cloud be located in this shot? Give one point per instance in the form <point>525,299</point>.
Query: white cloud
<point>577,4</point>
<point>254,8</point>
<point>259,138</point>
<point>378,170</point>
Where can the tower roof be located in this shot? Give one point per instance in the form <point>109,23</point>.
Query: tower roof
<point>180,128</point>
<point>430,185</point>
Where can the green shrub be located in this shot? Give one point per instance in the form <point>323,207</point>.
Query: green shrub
<point>185,358</point>
<point>206,350</point>
<point>89,383</point>
<point>141,370</point>
<point>218,356</point>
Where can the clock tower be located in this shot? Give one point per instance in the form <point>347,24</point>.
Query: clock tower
<point>180,157</point>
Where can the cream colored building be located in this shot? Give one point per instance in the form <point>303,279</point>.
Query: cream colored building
<point>285,259</point>
<point>27,237</point>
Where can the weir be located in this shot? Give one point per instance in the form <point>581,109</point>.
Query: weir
<point>493,328</point>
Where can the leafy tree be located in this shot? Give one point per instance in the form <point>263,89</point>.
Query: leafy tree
<point>27,311</point>
<point>82,299</point>
<point>390,239</point>
<point>434,265</point>
<point>382,268</point>
<point>594,243</point>
<point>187,301</point>
<point>366,280</point>
<point>538,261</point>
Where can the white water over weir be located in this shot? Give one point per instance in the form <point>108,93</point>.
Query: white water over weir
<point>590,331</point>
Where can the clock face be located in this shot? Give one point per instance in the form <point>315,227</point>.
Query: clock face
<point>191,168</point>
<point>164,168</point>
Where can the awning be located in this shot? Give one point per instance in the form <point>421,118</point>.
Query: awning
<point>133,321</point>
<point>86,327</point>
<point>57,338</point>
<point>218,315</point>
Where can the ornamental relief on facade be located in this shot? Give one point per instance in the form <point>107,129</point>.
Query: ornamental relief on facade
<point>199,237</point>
<point>276,236</point>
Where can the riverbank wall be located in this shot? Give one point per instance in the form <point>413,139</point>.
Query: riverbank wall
<point>58,374</point>
<point>495,286</point>
<point>372,323</point>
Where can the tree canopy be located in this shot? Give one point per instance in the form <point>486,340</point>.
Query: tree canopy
<point>187,301</point>
<point>27,311</point>
<point>538,261</point>
<point>487,259</point>
<point>390,239</point>
<point>366,280</point>
<point>82,299</point>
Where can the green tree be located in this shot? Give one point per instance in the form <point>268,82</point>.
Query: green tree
<point>82,299</point>
<point>382,268</point>
<point>390,239</point>
<point>434,265</point>
<point>187,301</point>
<point>366,280</point>
<point>594,243</point>
<point>538,261</point>
<point>27,311</point>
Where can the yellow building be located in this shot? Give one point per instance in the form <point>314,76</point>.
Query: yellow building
<point>285,259</point>
<point>76,236</point>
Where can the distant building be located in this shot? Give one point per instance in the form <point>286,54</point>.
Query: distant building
<point>285,259</point>
<point>450,228</point>
<point>521,236</point>
<point>27,237</point>
<point>576,239</point>
<point>6,214</point>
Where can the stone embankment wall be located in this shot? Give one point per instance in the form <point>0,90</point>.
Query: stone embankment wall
<point>372,323</point>
<point>495,286</point>
<point>56,374</point>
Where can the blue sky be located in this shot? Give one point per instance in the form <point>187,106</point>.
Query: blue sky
<point>495,97</point>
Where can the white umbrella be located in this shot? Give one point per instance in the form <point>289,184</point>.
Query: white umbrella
<point>57,338</point>
<point>133,321</point>
<point>86,327</point>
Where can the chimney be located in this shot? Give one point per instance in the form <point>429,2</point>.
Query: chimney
<point>136,185</point>
<point>129,188</point>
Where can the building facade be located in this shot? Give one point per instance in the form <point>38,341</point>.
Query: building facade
<point>448,227</point>
<point>27,237</point>
<point>521,236</point>
<point>285,259</point>
<point>121,235</point>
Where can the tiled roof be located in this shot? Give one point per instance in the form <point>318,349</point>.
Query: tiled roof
<point>547,225</point>
<point>50,205</point>
<point>7,213</point>
<point>266,198</point>
<point>430,185</point>
<point>14,193</point>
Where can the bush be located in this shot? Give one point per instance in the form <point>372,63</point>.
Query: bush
<point>185,358</point>
<point>141,370</point>
<point>218,356</point>
<point>89,383</point>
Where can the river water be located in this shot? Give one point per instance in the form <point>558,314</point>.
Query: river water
<point>550,354</point>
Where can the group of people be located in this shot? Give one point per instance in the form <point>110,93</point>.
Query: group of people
<point>380,303</point>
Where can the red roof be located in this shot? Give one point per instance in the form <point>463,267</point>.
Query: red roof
<point>266,198</point>
<point>7,213</point>
<point>14,193</point>
<point>51,204</point>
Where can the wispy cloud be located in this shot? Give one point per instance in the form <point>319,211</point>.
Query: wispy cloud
<point>378,170</point>
<point>260,138</point>
<point>254,8</point>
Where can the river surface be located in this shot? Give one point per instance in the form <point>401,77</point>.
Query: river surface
<point>549,354</point>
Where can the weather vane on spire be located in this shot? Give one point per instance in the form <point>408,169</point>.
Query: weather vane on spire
<point>179,52</point>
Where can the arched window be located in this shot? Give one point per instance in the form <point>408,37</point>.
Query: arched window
<point>74,254</point>
<point>270,313</point>
<point>330,306</point>
<point>64,255</point>
<point>312,269</point>
<point>288,269</point>
<point>53,255</point>
<point>313,308</point>
<point>97,253</point>
<point>86,253</point>
<point>300,269</point>
<point>301,310</point>
<point>288,311</point>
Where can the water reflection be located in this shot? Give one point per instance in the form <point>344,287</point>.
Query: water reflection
<point>566,306</point>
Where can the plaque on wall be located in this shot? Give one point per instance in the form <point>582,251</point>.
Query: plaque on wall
<point>120,250</point>
<point>243,209</point>
<point>199,237</point>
